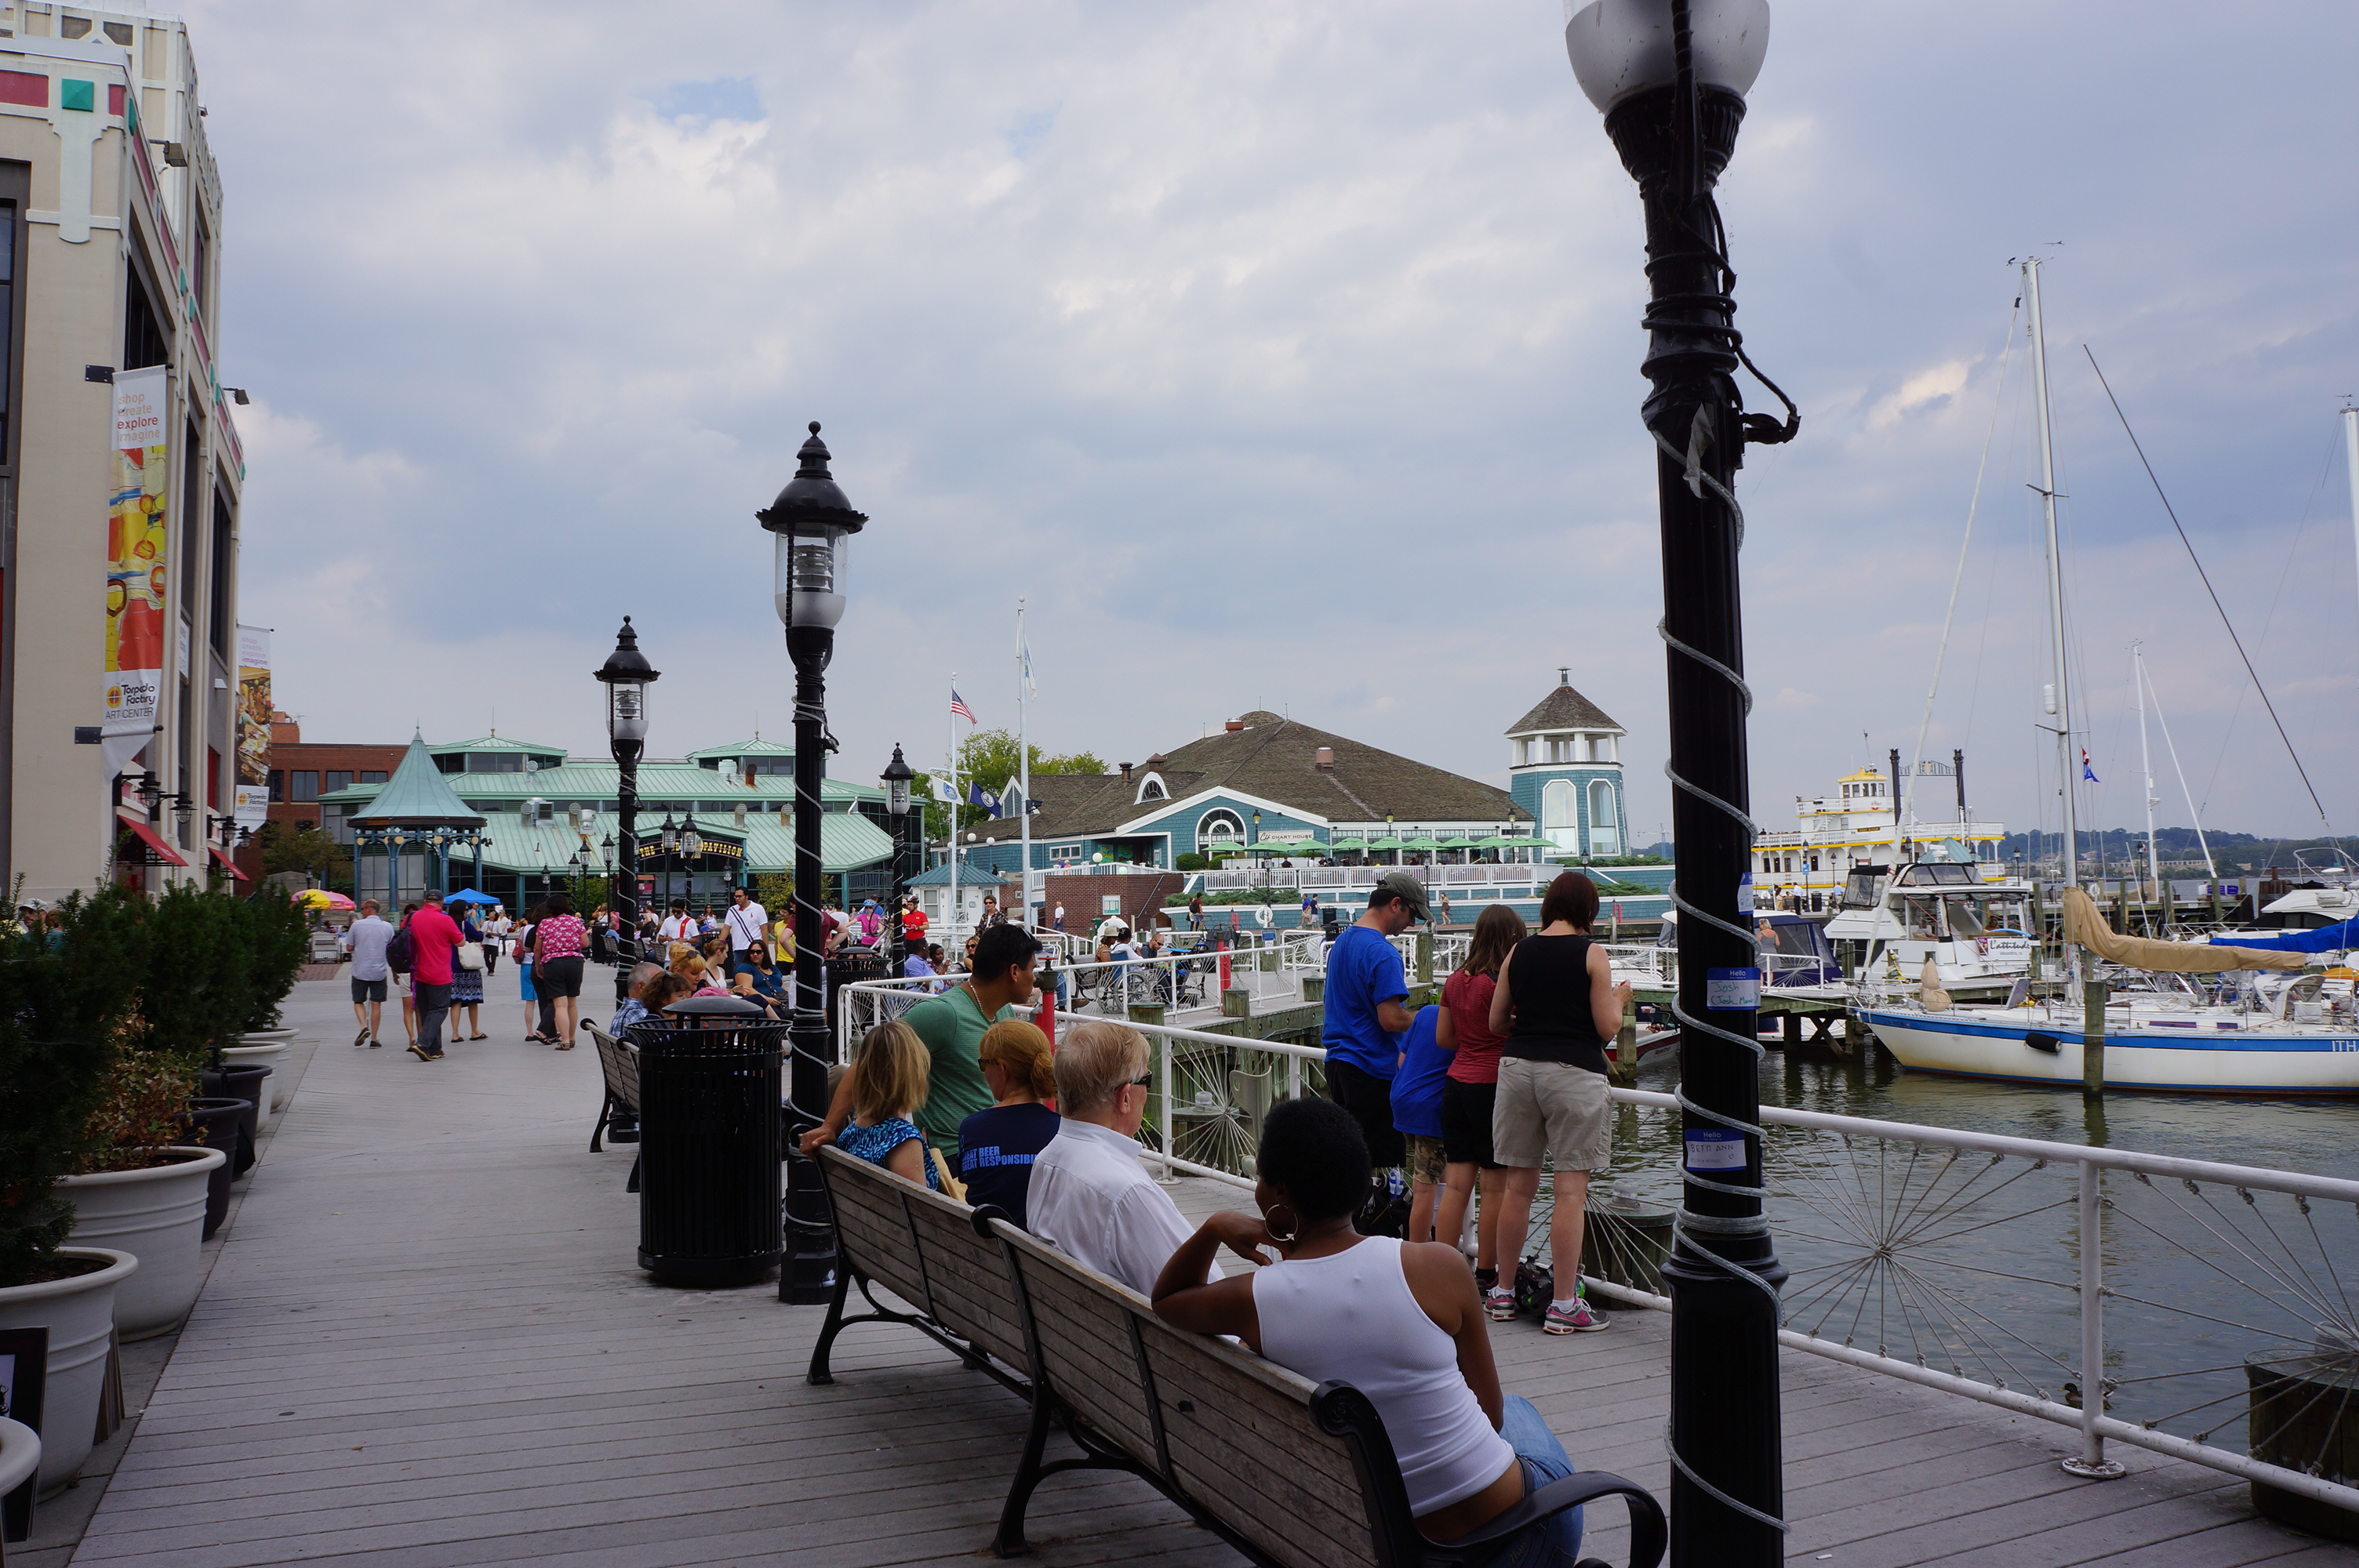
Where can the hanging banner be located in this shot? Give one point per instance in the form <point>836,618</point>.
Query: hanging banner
<point>138,537</point>
<point>253,798</point>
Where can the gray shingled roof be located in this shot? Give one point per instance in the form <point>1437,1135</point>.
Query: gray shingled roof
<point>1563,709</point>
<point>1275,758</point>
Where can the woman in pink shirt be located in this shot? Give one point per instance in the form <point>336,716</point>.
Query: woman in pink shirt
<point>559,943</point>
<point>1468,1090</point>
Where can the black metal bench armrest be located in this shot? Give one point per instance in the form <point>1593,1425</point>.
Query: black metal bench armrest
<point>1649,1535</point>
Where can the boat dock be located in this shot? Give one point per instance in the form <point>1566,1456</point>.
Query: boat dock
<point>424,1342</point>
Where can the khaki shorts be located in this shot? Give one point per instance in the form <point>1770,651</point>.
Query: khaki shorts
<point>1551,1108</point>
<point>1425,1159</point>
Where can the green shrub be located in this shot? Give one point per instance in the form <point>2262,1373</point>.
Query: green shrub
<point>279,940</point>
<point>195,990</point>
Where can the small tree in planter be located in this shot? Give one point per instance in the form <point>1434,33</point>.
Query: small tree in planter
<point>62,1018</point>
<point>195,990</point>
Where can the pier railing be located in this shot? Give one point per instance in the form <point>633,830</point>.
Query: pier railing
<point>2193,1309</point>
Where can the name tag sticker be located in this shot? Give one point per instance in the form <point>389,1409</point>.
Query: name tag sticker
<point>1735,989</point>
<point>1715,1149</point>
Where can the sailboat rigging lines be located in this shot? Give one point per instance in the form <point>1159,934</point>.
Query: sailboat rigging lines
<point>2173,514</point>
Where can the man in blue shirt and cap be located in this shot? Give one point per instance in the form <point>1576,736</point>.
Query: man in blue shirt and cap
<point>1367,1012</point>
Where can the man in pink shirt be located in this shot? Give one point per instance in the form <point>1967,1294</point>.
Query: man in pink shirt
<point>433,937</point>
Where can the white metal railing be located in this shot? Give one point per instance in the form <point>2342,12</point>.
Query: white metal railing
<point>2012,1271</point>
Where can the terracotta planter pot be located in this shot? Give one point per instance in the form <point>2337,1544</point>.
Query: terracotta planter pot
<point>213,1123</point>
<point>261,1057</point>
<point>158,1216</point>
<point>78,1313</point>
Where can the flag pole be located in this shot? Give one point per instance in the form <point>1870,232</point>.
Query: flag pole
<point>1023,764</point>
<point>951,912</point>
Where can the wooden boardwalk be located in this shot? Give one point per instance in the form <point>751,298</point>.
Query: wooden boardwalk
<point>425,1345</point>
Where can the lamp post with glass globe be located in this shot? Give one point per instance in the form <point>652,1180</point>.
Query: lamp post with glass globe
<point>896,776</point>
<point>626,676</point>
<point>813,524</point>
<point>1670,77</point>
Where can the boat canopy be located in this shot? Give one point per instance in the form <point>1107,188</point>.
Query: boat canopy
<point>2085,924</point>
<point>2319,939</point>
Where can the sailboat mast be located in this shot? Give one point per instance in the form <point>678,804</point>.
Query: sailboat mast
<point>2047,487</point>
<point>1024,765</point>
<point>2351,458</point>
<point>2145,766</point>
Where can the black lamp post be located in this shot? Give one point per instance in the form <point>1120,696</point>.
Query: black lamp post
<point>668,836</point>
<point>626,676</point>
<point>813,524</point>
<point>896,776</point>
<point>1670,77</point>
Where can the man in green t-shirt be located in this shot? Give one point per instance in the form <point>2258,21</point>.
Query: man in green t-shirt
<point>951,1025</point>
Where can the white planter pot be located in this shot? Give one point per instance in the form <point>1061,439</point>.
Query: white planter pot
<point>78,1312</point>
<point>261,1057</point>
<point>158,1217</point>
<point>20,1454</point>
<point>267,1037</point>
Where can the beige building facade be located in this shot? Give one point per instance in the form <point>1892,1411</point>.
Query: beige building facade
<point>118,609</point>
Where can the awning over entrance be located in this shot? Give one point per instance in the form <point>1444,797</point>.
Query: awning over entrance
<point>146,835</point>
<point>227,864</point>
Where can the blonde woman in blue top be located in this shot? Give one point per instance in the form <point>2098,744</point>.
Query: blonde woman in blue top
<point>888,1089</point>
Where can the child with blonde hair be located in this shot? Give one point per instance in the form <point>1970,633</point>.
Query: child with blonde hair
<point>888,1087</point>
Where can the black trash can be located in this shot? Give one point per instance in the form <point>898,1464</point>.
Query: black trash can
<point>709,1142</point>
<point>242,1083</point>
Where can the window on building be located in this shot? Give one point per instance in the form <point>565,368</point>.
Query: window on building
<point>338,778</point>
<point>224,568</point>
<point>7,319</point>
<point>303,784</point>
<point>1559,815</point>
<point>143,331</point>
<point>493,762</point>
<point>277,785</point>
<point>1605,821</point>
<point>200,257</point>
<point>73,26</point>
<point>372,775</point>
<point>119,31</point>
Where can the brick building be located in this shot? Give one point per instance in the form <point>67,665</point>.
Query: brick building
<point>301,772</point>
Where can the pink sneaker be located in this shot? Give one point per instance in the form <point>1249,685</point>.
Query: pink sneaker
<point>1580,1320</point>
<point>1499,1303</point>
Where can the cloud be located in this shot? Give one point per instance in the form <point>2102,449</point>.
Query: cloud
<point>1283,355</point>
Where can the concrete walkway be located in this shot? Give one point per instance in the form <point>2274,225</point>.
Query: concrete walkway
<point>425,1344</point>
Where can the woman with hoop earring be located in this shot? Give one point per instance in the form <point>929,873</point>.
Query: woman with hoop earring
<point>1401,1321</point>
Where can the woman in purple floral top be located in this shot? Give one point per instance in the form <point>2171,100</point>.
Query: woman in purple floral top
<point>889,1087</point>
<point>558,941</point>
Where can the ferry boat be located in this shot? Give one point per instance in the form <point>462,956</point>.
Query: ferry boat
<point>1867,822</point>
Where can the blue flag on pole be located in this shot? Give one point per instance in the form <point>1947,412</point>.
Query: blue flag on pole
<point>2086,771</point>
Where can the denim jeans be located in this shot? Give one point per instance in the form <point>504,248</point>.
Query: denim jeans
<point>1553,1542</point>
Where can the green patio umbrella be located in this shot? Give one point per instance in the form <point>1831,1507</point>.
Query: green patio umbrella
<point>1381,844</point>
<point>1422,846</point>
<point>1227,848</point>
<point>1347,847</point>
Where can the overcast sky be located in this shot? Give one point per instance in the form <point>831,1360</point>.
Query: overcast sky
<point>1285,356</point>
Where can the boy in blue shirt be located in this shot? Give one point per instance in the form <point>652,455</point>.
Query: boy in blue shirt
<point>1417,1116</point>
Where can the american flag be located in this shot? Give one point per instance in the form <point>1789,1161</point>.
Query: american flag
<point>959,707</point>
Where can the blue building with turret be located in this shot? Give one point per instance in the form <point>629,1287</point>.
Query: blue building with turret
<point>1565,770</point>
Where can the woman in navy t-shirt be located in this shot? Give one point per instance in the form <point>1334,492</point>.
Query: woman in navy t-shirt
<point>997,1146</point>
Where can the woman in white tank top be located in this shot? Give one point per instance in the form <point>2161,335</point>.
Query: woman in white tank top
<point>1401,1321</point>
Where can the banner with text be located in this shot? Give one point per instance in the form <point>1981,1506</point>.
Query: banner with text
<point>253,808</point>
<point>138,538</point>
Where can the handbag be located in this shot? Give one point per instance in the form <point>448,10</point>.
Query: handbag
<point>470,955</point>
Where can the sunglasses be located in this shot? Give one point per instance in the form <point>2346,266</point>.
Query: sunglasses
<point>1146,1083</point>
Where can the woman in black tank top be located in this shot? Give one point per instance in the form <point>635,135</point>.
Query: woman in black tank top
<point>1556,1005</point>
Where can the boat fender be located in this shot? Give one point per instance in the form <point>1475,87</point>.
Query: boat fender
<point>2047,1043</point>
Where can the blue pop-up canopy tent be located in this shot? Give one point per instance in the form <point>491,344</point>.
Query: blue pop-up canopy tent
<point>469,895</point>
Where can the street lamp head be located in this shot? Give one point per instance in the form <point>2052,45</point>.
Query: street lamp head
<point>625,675</point>
<point>813,522</point>
<point>669,834</point>
<point>1623,47</point>
<point>896,776</point>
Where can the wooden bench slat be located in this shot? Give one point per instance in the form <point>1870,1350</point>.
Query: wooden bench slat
<point>874,1231</point>
<point>1092,1370</point>
<point>978,1306</point>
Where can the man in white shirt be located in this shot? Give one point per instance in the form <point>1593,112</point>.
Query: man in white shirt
<point>678,928</point>
<point>746,921</point>
<point>1090,1197</point>
<point>365,941</point>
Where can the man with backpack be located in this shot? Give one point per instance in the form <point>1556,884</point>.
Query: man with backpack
<point>367,941</point>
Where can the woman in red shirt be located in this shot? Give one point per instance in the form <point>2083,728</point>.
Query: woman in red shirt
<point>1467,1091</point>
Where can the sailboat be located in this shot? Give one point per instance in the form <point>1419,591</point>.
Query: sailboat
<point>2263,1031</point>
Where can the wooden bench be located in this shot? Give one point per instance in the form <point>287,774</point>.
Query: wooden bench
<point>1292,1474</point>
<point>619,1060</point>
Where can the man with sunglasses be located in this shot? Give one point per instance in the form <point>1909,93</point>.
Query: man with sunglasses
<point>1090,1196</point>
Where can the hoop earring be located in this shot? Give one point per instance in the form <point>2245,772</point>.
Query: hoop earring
<point>1290,1235</point>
